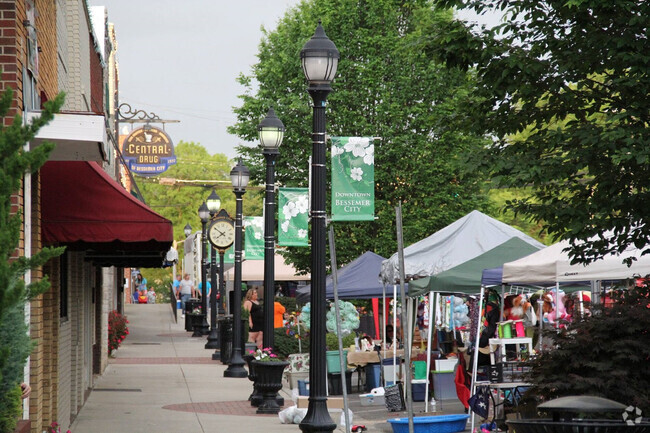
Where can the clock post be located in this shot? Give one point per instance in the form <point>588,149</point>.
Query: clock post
<point>221,236</point>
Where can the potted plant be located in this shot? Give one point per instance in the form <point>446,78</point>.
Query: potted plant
<point>268,378</point>
<point>196,320</point>
<point>117,330</point>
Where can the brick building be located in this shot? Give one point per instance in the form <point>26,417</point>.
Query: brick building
<point>47,47</point>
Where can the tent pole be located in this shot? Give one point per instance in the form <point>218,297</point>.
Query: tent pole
<point>503,298</point>
<point>430,327</point>
<point>394,342</point>
<point>407,338</point>
<point>337,309</point>
<point>383,333</point>
<point>478,336</point>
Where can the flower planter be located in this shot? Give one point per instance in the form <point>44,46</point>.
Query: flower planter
<point>268,381</point>
<point>256,397</point>
<point>197,321</point>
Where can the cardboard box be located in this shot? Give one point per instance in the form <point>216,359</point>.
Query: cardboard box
<point>332,402</point>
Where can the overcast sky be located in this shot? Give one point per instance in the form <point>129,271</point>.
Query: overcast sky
<point>180,60</point>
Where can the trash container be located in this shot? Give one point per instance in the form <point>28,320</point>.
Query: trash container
<point>629,420</point>
<point>334,383</point>
<point>189,306</point>
<point>225,338</point>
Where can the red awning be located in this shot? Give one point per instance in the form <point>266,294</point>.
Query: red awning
<point>84,208</point>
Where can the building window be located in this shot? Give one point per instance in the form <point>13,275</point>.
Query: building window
<point>63,288</point>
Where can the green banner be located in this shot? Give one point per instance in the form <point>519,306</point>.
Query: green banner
<point>353,179</point>
<point>293,217</point>
<point>254,238</point>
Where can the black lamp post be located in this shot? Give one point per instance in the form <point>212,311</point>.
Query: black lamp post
<point>320,59</point>
<point>239,177</point>
<point>214,203</point>
<point>204,214</point>
<point>271,132</point>
<point>187,230</point>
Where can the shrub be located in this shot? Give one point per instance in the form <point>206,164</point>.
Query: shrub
<point>16,346</point>
<point>117,330</point>
<point>12,408</point>
<point>332,341</point>
<point>288,303</point>
<point>605,355</point>
<point>286,341</point>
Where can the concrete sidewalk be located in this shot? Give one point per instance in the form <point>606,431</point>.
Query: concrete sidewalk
<point>163,380</point>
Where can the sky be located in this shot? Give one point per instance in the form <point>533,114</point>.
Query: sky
<point>180,60</point>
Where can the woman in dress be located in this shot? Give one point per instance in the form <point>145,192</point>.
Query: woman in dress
<point>255,318</point>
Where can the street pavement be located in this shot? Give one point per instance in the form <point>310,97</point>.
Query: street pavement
<point>163,380</point>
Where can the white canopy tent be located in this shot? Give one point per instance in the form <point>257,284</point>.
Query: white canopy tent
<point>462,240</point>
<point>253,270</point>
<point>552,265</point>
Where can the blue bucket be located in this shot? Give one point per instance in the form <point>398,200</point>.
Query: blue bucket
<point>431,424</point>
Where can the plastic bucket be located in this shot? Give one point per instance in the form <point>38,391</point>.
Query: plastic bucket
<point>333,360</point>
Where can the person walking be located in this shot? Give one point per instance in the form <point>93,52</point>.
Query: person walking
<point>176,286</point>
<point>255,318</point>
<point>186,291</point>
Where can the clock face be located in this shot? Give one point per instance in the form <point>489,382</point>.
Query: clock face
<point>222,233</point>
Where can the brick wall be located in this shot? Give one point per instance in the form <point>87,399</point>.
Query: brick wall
<point>96,79</point>
<point>78,64</point>
<point>11,45</point>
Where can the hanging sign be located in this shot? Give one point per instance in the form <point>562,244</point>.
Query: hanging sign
<point>353,179</point>
<point>148,151</point>
<point>293,217</point>
<point>254,238</point>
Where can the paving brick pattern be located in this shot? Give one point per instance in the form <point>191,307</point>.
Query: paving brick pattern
<point>242,408</point>
<point>175,334</point>
<point>163,360</point>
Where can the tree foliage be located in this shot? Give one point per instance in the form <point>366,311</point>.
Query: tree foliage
<point>571,77</point>
<point>180,202</point>
<point>607,354</point>
<point>385,87</point>
<point>15,161</point>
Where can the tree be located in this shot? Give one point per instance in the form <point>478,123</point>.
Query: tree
<point>15,161</point>
<point>180,202</point>
<point>606,355</point>
<point>385,86</point>
<point>571,77</point>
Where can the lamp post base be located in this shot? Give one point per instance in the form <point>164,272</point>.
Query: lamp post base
<point>318,418</point>
<point>213,339</point>
<point>235,371</point>
<point>205,327</point>
<point>216,356</point>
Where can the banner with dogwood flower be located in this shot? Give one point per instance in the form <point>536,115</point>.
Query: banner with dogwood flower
<point>254,238</point>
<point>353,179</point>
<point>293,217</point>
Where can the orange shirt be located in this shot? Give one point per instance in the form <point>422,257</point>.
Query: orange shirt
<point>278,313</point>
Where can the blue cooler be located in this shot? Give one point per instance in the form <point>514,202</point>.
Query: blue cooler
<point>373,376</point>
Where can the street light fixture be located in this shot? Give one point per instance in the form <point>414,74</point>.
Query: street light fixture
<point>187,230</point>
<point>271,132</point>
<point>239,177</point>
<point>319,59</point>
<point>214,203</point>
<point>204,215</point>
